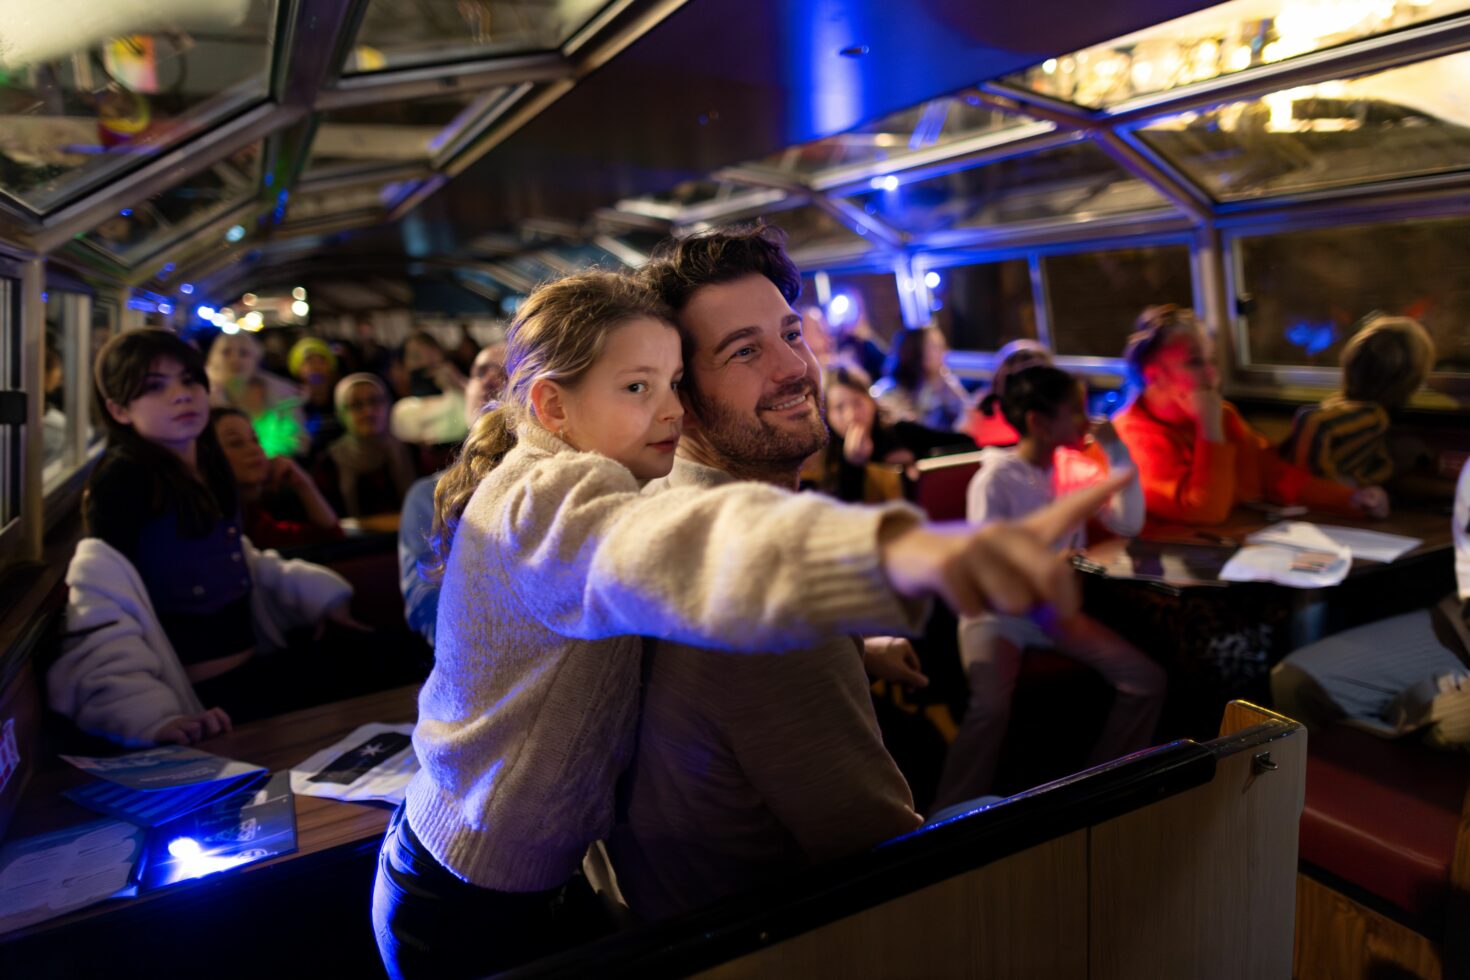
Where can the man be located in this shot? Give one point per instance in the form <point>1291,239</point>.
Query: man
<point>748,767</point>
<point>420,596</point>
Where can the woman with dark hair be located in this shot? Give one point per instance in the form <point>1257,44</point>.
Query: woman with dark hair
<point>916,386</point>
<point>860,437</point>
<point>169,602</point>
<point>267,485</point>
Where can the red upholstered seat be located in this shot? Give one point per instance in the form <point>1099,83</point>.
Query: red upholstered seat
<point>940,488</point>
<point>1383,815</point>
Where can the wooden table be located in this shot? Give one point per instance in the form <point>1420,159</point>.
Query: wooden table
<point>335,842</point>
<point>1219,640</point>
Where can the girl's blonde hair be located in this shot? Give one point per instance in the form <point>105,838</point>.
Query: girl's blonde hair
<point>1386,360</point>
<point>558,334</point>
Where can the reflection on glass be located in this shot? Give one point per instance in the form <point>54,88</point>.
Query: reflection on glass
<point>934,123</point>
<point>402,33</point>
<point>808,227</point>
<point>353,199</point>
<point>860,313</point>
<point>1221,40</point>
<point>136,231</point>
<point>1077,180</point>
<point>1409,121</point>
<point>1304,292</point>
<point>372,137</point>
<point>82,98</point>
<point>983,307</point>
<point>691,192</point>
<point>1096,296</point>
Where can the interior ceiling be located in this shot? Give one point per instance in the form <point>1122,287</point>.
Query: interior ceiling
<point>724,81</point>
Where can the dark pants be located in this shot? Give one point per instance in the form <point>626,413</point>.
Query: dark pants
<point>431,923</point>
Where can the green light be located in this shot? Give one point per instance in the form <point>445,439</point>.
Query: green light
<point>279,433</point>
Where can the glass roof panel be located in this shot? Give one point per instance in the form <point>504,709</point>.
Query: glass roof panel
<point>1218,41</point>
<point>934,123</point>
<point>691,192</point>
<point>81,102</point>
<point>404,33</point>
<point>307,205</point>
<point>808,226</point>
<point>1076,180</point>
<point>136,232</point>
<point>1409,121</point>
<point>384,135</point>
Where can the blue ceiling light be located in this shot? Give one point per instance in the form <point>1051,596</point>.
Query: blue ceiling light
<point>235,233</point>
<point>931,279</point>
<point>885,183</point>
<point>186,288</point>
<point>126,212</point>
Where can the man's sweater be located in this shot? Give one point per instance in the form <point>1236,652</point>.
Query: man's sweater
<point>749,768</point>
<point>558,566</point>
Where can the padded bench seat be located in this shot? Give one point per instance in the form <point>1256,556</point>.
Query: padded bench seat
<point>1383,815</point>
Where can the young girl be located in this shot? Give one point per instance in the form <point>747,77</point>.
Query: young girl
<point>273,404</point>
<point>987,424</point>
<point>554,564</point>
<point>278,484</point>
<point>169,603</point>
<point>1047,408</point>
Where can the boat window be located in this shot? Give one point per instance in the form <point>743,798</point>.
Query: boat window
<point>382,136</point>
<point>984,306</point>
<point>1094,297</point>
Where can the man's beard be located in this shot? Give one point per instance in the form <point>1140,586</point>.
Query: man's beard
<point>750,441</point>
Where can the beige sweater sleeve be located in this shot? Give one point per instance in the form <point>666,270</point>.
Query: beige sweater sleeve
<point>743,567</point>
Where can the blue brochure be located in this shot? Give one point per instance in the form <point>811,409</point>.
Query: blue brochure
<point>241,829</point>
<point>156,786</point>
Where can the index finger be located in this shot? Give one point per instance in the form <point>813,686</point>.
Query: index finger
<point>1057,520</point>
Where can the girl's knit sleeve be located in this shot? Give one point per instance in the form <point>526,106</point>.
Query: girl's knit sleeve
<point>740,567</point>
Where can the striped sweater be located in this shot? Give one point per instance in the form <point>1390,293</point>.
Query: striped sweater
<point>1341,440</point>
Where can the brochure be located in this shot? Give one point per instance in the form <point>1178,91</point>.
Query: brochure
<point>373,764</point>
<point>157,785</point>
<point>51,874</point>
<point>246,827</point>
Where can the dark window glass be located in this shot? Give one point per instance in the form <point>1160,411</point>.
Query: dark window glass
<point>1096,296</point>
<point>983,307</point>
<point>1304,292</point>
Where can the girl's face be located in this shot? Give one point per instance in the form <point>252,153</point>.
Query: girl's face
<point>627,407</point>
<point>366,409</point>
<point>247,460</point>
<point>1067,427</point>
<point>233,357</point>
<point>847,407</point>
<point>173,408</point>
<point>1184,364</point>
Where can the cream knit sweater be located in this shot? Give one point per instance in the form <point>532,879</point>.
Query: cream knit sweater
<point>559,567</point>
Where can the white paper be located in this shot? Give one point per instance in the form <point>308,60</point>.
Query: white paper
<point>386,781</point>
<point>1369,545</point>
<point>46,876</point>
<point>1273,563</point>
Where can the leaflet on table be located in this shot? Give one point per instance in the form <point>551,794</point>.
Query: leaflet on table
<point>157,785</point>
<point>51,874</point>
<point>1302,558</point>
<point>373,764</point>
<point>1367,545</point>
<point>248,826</point>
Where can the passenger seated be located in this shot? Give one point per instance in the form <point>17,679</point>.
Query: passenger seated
<point>986,423</point>
<point>171,610</point>
<point>747,768</point>
<point>1047,407</point>
<point>415,549</point>
<point>313,364</point>
<point>1197,458</point>
<point>1397,674</point>
<point>859,437</point>
<point>916,386</point>
<point>273,404</point>
<point>280,483</point>
<point>366,471</point>
<point>433,412</point>
<point>1346,437</point>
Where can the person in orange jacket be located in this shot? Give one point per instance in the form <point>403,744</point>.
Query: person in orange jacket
<point>1196,456</point>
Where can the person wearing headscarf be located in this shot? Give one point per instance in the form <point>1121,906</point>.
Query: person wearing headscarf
<point>366,471</point>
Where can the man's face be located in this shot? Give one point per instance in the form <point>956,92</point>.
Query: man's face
<point>756,392</point>
<point>486,381</point>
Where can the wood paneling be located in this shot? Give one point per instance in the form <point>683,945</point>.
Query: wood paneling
<point>1202,884</point>
<point>1338,939</point>
<point>1023,916</point>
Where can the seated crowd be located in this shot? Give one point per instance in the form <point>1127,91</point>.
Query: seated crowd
<point>642,634</point>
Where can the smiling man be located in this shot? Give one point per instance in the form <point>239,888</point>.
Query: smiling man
<point>748,767</point>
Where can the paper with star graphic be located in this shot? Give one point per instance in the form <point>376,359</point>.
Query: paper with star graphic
<point>372,765</point>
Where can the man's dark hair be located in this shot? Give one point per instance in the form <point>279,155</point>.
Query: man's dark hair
<point>679,267</point>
